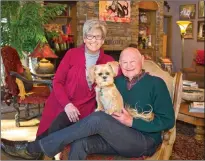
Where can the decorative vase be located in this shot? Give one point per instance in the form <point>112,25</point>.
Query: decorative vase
<point>44,67</point>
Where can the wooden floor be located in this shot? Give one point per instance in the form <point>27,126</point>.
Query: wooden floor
<point>10,131</point>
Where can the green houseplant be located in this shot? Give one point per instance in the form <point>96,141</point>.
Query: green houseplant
<point>22,23</point>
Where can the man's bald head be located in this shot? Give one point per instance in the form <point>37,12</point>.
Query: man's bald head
<point>131,51</point>
<point>131,62</point>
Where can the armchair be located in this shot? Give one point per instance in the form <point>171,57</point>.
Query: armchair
<point>164,151</point>
<point>196,71</point>
<point>21,88</point>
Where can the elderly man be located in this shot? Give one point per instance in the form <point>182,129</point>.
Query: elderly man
<point>117,134</point>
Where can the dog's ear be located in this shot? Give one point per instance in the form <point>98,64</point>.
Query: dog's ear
<point>91,74</point>
<point>115,67</point>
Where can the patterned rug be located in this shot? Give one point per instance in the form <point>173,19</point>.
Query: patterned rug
<point>186,147</point>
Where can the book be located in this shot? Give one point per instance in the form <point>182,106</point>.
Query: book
<point>197,107</point>
<point>198,104</point>
<point>189,83</point>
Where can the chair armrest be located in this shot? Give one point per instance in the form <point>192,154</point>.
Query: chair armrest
<point>169,136</point>
<point>46,82</point>
<point>166,135</point>
<point>43,75</point>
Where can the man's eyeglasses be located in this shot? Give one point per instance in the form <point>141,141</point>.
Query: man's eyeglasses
<point>97,37</point>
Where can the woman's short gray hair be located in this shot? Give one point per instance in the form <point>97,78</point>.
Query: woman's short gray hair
<point>94,24</point>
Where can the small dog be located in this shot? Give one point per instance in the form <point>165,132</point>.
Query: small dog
<point>108,97</point>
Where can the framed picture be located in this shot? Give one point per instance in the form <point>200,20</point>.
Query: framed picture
<point>201,8</point>
<point>189,31</point>
<point>201,31</point>
<point>115,11</point>
<point>187,12</point>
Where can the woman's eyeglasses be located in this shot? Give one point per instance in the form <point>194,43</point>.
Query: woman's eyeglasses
<point>97,37</point>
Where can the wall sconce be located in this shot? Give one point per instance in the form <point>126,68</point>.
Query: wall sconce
<point>183,26</point>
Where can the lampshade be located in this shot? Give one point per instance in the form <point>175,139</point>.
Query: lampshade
<point>43,51</point>
<point>183,26</point>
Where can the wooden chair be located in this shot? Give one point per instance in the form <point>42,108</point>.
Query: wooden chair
<point>20,84</point>
<point>164,152</point>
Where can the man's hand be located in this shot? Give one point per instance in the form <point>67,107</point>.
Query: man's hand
<point>72,112</point>
<point>124,117</point>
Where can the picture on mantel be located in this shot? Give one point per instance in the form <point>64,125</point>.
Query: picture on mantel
<point>114,11</point>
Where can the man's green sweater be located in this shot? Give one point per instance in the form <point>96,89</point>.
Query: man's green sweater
<point>150,91</point>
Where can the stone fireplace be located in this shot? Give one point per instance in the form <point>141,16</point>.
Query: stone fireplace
<point>120,35</point>
<point>114,53</point>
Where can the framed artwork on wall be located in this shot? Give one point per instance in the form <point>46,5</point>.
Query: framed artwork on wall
<point>187,12</point>
<point>189,31</point>
<point>115,11</point>
<point>201,31</point>
<point>201,8</point>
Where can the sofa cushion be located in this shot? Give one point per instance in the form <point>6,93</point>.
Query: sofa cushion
<point>200,57</point>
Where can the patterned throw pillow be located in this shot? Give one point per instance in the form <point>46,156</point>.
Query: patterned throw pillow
<point>27,74</point>
<point>200,57</point>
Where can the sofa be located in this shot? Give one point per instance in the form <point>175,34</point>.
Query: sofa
<point>196,71</point>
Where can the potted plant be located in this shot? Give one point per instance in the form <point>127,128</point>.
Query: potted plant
<point>22,23</point>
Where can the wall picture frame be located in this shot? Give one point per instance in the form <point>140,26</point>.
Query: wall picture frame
<point>189,31</point>
<point>201,9</point>
<point>108,11</point>
<point>187,12</point>
<point>201,31</point>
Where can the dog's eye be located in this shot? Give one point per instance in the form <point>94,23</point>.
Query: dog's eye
<point>100,74</point>
<point>107,73</point>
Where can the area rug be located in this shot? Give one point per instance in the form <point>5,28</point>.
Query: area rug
<point>186,147</point>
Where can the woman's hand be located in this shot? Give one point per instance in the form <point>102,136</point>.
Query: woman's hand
<point>72,112</point>
<point>125,118</point>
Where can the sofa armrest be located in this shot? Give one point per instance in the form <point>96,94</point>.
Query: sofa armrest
<point>189,70</point>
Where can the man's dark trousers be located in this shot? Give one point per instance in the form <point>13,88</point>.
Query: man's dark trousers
<point>98,133</point>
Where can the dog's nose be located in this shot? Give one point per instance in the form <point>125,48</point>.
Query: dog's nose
<point>104,77</point>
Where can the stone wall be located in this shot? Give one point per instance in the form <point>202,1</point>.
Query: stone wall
<point>120,35</point>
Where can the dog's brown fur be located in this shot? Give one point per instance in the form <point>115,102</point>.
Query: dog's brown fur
<point>108,97</point>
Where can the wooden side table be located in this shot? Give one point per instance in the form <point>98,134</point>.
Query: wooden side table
<point>193,118</point>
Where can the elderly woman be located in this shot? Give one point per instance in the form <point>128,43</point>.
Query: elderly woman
<point>73,98</point>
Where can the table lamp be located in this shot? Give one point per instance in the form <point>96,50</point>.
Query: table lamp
<point>183,26</point>
<point>43,51</point>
